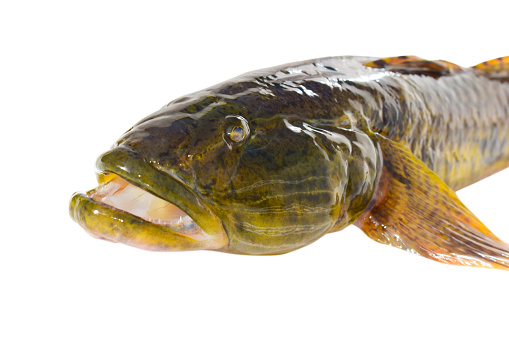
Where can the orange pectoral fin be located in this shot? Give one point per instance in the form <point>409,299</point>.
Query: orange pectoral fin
<point>413,209</point>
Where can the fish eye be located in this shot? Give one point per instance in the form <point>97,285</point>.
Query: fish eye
<point>236,133</point>
<point>237,130</point>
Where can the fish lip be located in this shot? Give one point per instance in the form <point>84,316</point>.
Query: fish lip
<point>124,227</point>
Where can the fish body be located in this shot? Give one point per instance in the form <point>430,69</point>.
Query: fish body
<point>272,160</point>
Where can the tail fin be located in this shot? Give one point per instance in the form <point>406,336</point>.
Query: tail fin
<point>497,69</point>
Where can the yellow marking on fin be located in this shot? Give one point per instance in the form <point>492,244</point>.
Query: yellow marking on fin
<point>495,66</point>
<point>414,65</point>
<point>413,209</point>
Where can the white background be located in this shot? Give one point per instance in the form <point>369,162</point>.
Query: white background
<point>75,75</point>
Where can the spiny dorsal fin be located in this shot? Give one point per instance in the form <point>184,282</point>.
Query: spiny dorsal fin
<point>411,64</point>
<point>496,68</point>
<point>413,209</point>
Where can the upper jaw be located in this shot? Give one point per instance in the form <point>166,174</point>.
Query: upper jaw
<point>103,219</point>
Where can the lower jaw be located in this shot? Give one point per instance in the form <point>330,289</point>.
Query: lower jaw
<point>118,226</point>
<point>105,221</point>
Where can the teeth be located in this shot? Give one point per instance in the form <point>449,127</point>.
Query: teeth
<point>120,194</point>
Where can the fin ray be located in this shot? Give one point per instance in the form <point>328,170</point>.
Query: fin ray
<point>413,209</point>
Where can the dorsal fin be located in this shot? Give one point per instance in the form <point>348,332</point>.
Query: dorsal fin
<point>411,64</point>
<point>495,69</point>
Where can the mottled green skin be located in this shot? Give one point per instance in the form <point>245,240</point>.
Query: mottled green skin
<point>310,163</point>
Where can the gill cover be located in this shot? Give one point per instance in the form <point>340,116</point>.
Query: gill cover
<point>293,183</point>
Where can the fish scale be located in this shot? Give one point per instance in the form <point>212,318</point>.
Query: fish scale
<point>454,140</point>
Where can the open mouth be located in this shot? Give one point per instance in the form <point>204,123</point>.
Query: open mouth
<point>123,196</point>
<point>140,206</point>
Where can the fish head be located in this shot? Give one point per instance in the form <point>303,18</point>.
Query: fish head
<point>246,174</point>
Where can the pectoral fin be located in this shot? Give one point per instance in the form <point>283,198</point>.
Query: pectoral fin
<point>413,209</point>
